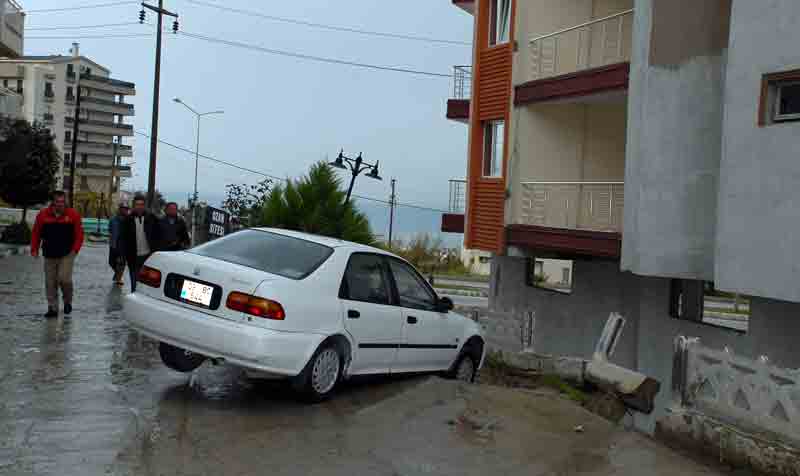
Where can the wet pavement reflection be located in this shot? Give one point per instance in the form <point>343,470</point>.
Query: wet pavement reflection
<point>85,395</point>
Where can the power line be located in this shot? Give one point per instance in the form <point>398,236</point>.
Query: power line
<point>275,177</point>
<point>329,27</point>
<point>312,57</point>
<point>78,27</point>
<point>81,7</point>
<point>82,37</point>
<point>261,49</point>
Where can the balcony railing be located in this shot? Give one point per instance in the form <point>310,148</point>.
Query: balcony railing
<point>48,118</point>
<point>71,76</point>
<point>592,44</point>
<point>102,148</point>
<point>109,81</point>
<point>107,102</point>
<point>462,82</point>
<point>101,123</point>
<point>595,206</point>
<point>458,196</point>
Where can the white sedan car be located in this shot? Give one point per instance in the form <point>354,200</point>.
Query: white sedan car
<point>307,307</point>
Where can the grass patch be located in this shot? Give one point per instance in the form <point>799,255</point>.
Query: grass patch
<point>557,383</point>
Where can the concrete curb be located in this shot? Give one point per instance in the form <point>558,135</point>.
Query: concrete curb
<point>461,292</point>
<point>10,250</point>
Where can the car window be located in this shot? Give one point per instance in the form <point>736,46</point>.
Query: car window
<point>286,256</point>
<point>412,290</point>
<point>365,280</point>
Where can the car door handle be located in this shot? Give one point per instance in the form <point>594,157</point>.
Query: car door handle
<point>411,320</point>
<point>353,314</point>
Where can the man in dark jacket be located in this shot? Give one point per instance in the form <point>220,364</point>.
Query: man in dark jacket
<point>116,253</point>
<point>59,232</point>
<point>172,230</point>
<point>140,237</point>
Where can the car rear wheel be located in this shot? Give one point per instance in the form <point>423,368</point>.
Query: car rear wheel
<point>178,359</point>
<point>320,376</point>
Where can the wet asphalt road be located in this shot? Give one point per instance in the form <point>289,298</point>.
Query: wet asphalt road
<point>85,395</point>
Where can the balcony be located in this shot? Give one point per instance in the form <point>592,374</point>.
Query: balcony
<point>96,170</point>
<point>458,105</point>
<point>107,84</point>
<point>453,222</point>
<point>49,96</point>
<point>466,5</point>
<point>71,76</point>
<point>47,118</point>
<point>100,148</point>
<point>570,218</point>
<point>106,105</point>
<point>587,59</point>
<point>102,127</point>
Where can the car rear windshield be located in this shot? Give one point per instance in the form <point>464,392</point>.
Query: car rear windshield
<point>286,256</point>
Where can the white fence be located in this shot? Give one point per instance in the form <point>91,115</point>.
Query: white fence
<point>743,391</point>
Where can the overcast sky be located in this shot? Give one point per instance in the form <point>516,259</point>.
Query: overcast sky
<point>282,113</point>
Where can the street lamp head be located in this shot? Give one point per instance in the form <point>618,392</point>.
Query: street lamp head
<point>177,100</point>
<point>339,162</point>
<point>373,174</point>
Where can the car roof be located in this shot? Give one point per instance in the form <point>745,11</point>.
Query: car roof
<point>328,241</point>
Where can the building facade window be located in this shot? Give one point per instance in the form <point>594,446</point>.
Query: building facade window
<point>5,83</point>
<point>68,136</point>
<point>500,26</point>
<point>70,93</point>
<point>493,148</point>
<point>84,183</point>
<point>48,89</point>
<point>780,98</point>
<point>551,274</point>
<point>19,86</point>
<point>700,301</point>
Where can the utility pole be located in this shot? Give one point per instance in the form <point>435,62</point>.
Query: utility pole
<point>392,200</point>
<point>151,177</point>
<point>113,176</point>
<point>75,119</point>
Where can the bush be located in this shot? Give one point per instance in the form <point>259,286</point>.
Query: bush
<point>17,234</point>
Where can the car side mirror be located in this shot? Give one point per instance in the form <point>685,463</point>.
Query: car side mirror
<point>445,304</point>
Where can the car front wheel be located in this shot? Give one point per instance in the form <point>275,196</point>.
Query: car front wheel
<point>179,360</point>
<point>321,374</point>
<point>465,369</point>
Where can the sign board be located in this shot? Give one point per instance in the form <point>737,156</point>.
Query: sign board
<point>217,222</point>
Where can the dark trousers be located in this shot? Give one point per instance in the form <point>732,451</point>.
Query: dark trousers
<point>134,266</point>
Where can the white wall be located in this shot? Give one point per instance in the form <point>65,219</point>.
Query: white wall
<point>758,237</point>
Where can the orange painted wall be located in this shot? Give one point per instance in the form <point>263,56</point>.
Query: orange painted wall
<point>491,100</point>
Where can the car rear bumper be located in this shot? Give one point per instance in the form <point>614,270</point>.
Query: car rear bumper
<point>274,352</point>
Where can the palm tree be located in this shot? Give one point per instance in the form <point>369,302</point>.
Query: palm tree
<point>316,204</point>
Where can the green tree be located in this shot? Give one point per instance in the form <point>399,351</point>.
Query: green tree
<point>315,204</point>
<point>28,164</point>
<point>241,199</point>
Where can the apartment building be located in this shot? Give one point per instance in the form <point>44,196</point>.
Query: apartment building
<point>49,86</point>
<point>12,29</point>
<point>650,146</point>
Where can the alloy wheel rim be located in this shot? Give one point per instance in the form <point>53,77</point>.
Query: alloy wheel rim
<point>325,371</point>
<point>466,369</point>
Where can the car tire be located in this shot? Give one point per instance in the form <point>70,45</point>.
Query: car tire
<point>179,360</point>
<point>321,375</point>
<point>465,367</point>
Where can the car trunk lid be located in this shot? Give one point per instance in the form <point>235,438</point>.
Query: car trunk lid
<point>223,277</point>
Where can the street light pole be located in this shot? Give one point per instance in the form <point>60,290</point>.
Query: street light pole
<point>356,166</point>
<point>199,116</point>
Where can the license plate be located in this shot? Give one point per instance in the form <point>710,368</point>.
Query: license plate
<point>197,293</point>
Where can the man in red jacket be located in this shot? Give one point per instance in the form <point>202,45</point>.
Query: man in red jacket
<point>59,231</point>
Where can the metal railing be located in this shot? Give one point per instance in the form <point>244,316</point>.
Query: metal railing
<point>592,44</point>
<point>90,122</point>
<point>593,206</point>
<point>110,81</point>
<point>458,196</point>
<point>106,102</point>
<point>462,82</point>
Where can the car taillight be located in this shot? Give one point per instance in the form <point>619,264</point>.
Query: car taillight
<point>255,306</point>
<point>149,276</point>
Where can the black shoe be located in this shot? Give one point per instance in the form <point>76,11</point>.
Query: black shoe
<point>67,309</point>
<point>51,313</point>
